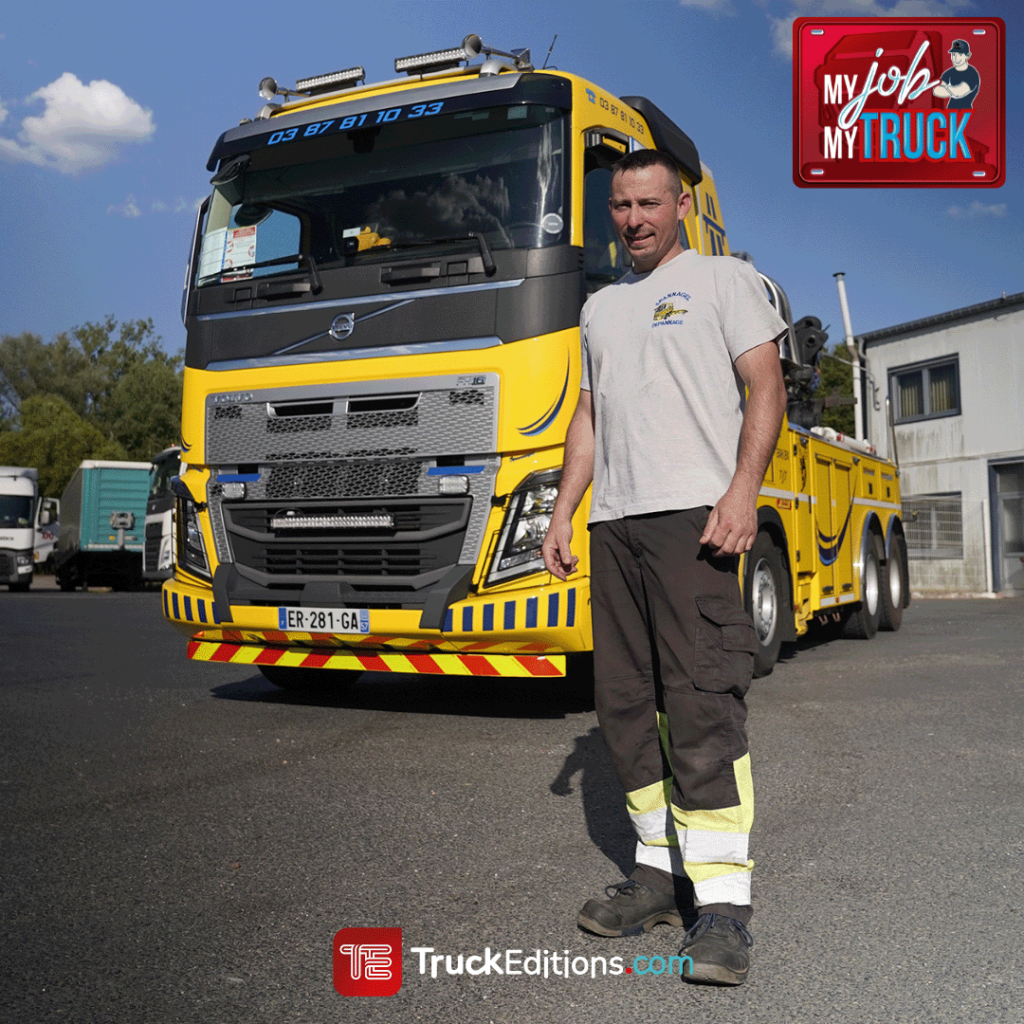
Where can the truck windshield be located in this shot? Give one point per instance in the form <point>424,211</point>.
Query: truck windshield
<point>372,193</point>
<point>161,473</point>
<point>15,510</point>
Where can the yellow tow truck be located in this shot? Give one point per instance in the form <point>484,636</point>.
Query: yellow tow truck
<point>382,359</point>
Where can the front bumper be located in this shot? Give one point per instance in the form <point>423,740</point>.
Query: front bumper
<point>525,632</point>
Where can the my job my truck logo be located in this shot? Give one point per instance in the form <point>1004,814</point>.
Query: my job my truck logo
<point>899,102</point>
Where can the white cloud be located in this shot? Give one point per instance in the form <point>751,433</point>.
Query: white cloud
<point>714,6</point>
<point>180,205</point>
<point>782,28</point>
<point>977,209</point>
<point>81,127</point>
<point>129,208</point>
<point>3,112</point>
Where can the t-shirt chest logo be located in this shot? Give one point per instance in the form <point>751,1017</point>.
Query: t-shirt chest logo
<point>670,309</point>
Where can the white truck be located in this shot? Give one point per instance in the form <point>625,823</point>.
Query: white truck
<point>28,525</point>
<point>158,555</point>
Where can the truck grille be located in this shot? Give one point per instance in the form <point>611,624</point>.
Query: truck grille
<point>151,552</point>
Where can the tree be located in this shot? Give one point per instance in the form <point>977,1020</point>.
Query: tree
<point>54,439</point>
<point>115,377</point>
<point>835,380</point>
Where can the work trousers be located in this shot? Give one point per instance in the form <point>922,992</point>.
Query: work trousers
<point>673,659</point>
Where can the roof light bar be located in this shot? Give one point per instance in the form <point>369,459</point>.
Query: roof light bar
<point>327,83</point>
<point>438,59</point>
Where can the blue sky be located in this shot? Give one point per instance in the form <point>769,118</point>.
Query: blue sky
<point>109,110</point>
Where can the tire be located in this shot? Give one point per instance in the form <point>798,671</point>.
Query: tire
<point>894,593</point>
<point>766,599</point>
<point>862,622</point>
<point>67,578</point>
<point>308,680</point>
<point>19,588</point>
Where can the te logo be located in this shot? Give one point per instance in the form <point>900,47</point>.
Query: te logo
<point>368,961</point>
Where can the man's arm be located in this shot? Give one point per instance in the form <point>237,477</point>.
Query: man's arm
<point>577,472</point>
<point>732,524</point>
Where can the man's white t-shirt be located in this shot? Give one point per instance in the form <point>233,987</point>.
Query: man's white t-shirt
<point>658,351</point>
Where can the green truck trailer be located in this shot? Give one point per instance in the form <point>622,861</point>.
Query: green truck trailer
<point>103,516</point>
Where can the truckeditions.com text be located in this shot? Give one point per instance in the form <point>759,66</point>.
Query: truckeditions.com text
<point>544,964</point>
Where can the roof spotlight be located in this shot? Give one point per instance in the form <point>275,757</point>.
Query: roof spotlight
<point>438,59</point>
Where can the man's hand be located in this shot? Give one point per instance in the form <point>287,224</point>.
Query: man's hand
<point>556,549</point>
<point>732,524</point>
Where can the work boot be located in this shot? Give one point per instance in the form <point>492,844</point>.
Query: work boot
<point>631,908</point>
<point>719,948</point>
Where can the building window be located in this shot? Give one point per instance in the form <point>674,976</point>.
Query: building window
<point>934,526</point>
<point>926,390</point>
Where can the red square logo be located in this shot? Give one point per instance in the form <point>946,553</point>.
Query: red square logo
<point>899,102</point>
<point>368,961</point>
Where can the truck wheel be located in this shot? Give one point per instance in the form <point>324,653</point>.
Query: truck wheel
<point>308,680</point>
<point>766,599</point>
<point>19,588</point>
<point>67,579</point>
<point>862,622</point>
<point>894,595</point>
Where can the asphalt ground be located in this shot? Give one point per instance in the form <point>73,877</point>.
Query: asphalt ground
<point>181,842</point>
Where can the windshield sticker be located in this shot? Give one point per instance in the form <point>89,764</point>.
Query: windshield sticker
<point>240,250</point>
<point>552,223</point>
<point>228,250</point>
<point>368,120</point>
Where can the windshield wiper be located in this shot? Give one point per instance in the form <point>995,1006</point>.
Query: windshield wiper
<point>485,249</point>
<point>299,257</point>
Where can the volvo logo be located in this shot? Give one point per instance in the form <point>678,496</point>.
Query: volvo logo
<point>342,325</point>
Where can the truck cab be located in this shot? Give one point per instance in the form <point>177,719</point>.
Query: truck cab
<point>19,491</point>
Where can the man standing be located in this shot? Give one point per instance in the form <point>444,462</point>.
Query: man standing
<point>676,457</point>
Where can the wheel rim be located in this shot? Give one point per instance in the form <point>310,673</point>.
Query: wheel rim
<point>871,586</point>
<point>895,581</point>
<point>765,602</point>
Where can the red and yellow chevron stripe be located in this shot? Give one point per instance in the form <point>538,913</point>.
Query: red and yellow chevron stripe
<point>372,641</point>
<point>435,663</point>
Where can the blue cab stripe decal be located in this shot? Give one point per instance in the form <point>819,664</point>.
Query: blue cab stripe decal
<point>531,613</point>
<point>570,608</point>
<point>538,426</point>
<point>510,615</point>
<point>553,610</point>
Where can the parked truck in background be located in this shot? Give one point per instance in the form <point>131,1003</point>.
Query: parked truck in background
<point>19,494</point>
<point>158,558</point>
<point>382,359</point>
<point>47,530</point>
<point>103,514</point>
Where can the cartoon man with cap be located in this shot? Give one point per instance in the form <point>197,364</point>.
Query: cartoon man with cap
<point>960,82</point>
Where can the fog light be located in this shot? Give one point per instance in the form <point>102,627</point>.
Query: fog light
<point>453,485</point>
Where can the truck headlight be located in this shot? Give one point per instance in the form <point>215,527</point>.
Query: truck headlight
<point>191,547</point>
<point>526,523</point>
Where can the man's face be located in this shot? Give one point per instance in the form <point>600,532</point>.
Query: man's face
<point>646,213</point>
<point>959,59</point>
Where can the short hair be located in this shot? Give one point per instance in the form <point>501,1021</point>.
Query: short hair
<point>642,159</point>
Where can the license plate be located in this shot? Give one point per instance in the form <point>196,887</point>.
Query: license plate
<point>323,620</point>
